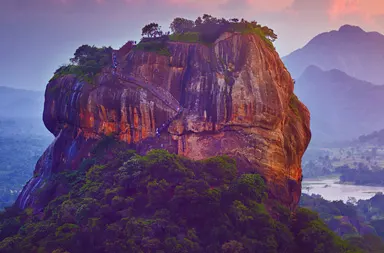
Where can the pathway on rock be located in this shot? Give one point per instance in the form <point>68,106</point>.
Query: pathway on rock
<point>162,94</point>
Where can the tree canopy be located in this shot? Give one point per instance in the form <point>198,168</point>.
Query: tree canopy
<point>118,201</point>
<point>181,25</point>
<point>151,30</point>
<point>208,29</point>
<point>86,62</point>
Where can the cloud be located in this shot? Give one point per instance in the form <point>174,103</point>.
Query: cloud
<point>305,5</point>
<point>334,9</point>
<point>365,9</point>
<point>379,19</point>
<point>255,6</point>
<point>340,8</point>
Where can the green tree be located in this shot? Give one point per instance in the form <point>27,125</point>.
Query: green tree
<point>198,21</point>
<point>368,243</point>
<point>82,53</point>
<point>232,247</point>
<point>91,55</point>
<point>151,30</point>
<point>379,227</point>
<point>269,33</point>
<point>209,19</point>
<point>181,25</point>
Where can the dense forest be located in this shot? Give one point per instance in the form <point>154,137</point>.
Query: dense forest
<point>22,141</point>
<point>361,175</point>
<point>118,201</point>
<point>362,217</point>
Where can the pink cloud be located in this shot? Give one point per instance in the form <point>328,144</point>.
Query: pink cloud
<point>365,9</point>
<point>252,5</point>
<point>340,8</point>
<point>270,5</point>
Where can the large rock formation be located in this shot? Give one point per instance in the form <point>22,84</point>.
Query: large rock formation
<point>237,98</point>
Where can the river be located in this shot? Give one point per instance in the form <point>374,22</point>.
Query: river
<point>330,189</point>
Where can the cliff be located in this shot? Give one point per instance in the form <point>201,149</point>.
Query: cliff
<point>234,97</point>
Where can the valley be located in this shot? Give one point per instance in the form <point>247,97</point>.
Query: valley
<point>23,138</point>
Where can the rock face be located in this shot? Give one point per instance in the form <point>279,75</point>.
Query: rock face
<point>237,99</point>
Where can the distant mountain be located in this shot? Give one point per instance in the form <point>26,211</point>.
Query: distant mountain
<point>17,103</point>
<point>341,106</point>
<point>358,53</point>
<point>375,138</point>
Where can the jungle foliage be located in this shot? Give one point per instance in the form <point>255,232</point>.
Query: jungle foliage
<point>119,201</point>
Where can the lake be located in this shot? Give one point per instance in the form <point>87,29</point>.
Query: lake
<point>330,190</point>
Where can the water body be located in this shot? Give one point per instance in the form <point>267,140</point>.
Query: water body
<point>331,190</point>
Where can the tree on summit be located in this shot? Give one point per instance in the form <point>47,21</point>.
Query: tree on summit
<point>198,21</point>
<point>82,53</point>
<point>181,25</point>
<point>88,55</point>
<point>269,33</point>
<point>151,30</point>
<point>86,62</point>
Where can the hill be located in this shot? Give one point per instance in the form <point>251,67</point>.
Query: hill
<point>358,53</point>
<point>342,107</point>
<point>375,138</point>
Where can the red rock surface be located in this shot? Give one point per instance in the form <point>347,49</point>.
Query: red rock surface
<point>238,100</point>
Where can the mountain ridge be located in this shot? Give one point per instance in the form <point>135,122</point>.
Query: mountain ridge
<point>348,49</point>
<point>342,107</point>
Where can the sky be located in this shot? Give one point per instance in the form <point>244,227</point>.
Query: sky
<point>38,36</point>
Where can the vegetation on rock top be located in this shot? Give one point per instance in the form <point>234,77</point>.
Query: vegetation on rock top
<point>205,30</point>
<point>87,62</point>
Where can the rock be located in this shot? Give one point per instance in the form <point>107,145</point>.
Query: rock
<point>237,98</point>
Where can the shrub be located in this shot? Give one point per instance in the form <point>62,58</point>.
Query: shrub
<point>191,37</point>
<point>156,46</point>
<point>293,104</point>
<point>86,64</point>
<point>207,29</point>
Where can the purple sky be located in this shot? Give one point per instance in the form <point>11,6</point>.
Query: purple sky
<point>37,36</point>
